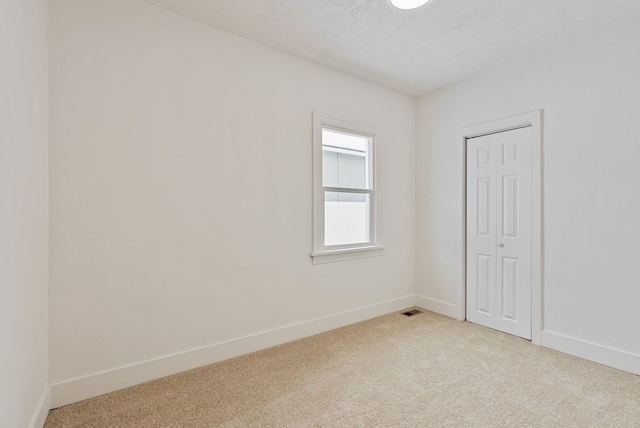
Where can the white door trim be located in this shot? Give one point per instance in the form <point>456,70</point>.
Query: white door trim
<point>533,119</point>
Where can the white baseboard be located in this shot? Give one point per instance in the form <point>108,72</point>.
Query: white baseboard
<point>70,391</point>
<point>42,409</point>
<point>437,306</point>
<point>593,352</point>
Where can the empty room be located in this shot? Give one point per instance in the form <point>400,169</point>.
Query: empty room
<point>309,213</point>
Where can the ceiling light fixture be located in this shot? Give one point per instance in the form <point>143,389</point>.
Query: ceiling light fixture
<point>408,4</point>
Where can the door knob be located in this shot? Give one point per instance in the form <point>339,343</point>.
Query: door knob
<point>501,245</point>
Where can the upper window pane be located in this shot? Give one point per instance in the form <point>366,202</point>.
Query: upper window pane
<point>345,160</point>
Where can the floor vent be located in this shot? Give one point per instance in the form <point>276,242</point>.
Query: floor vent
<point>412,312</point>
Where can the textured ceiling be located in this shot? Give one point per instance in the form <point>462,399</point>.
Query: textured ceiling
<point>413,52</point>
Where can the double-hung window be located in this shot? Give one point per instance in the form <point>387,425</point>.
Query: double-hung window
<point>344,190</point>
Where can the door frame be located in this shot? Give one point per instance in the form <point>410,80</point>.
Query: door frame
<point>534,120</point>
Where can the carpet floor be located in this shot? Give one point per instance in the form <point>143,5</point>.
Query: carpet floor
<point>394,371</point>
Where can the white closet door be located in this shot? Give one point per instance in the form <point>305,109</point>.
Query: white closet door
<point>499,231</point>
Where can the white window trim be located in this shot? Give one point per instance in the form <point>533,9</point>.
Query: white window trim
<point>335,253</point>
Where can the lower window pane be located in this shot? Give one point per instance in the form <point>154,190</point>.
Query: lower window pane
<point>346,218</point>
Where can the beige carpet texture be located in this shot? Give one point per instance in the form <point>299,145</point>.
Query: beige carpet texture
<point>394,371</point>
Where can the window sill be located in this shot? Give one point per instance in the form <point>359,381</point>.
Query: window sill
<point>331,256</point>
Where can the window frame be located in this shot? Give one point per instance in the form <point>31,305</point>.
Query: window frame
<point>322,253</point>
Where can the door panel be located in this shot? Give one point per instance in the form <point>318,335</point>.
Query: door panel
<point>484,206</point>
<point>510,288</point>
<point>499,231</point>
<point>510,206</point>
<point>483,283</point>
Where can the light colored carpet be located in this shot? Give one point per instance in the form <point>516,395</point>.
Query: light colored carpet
<point>393,371</point>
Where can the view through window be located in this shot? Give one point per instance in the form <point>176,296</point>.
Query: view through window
<point>347,183</point>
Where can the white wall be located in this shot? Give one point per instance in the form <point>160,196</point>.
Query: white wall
<point>181,189</point>
<point>590,93</point>
<point>23,212</point>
